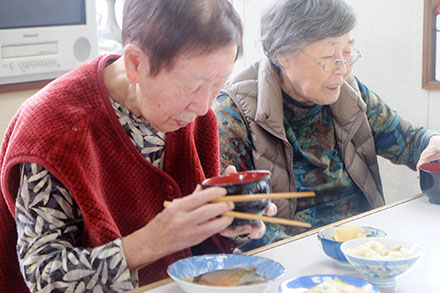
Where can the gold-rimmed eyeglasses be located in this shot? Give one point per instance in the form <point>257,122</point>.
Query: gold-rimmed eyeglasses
<point>333,65</point>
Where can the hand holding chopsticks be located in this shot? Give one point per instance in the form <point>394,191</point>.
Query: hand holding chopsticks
<point>253,197</point>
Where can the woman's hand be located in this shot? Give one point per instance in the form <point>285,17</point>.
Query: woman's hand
<point>254,231</point>
<point>183,223</point>
<point>431,152</point>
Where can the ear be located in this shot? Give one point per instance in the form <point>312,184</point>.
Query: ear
<point>136,63</point>
<point>282,61</point>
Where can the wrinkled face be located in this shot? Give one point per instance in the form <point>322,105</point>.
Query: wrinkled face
<point>176,96</point>
<point>306,81</point>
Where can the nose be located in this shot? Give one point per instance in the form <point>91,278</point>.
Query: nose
<point>202,101</point>
<point>340,66</point>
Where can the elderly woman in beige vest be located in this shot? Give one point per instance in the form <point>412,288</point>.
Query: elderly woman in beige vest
<point>300,113</point>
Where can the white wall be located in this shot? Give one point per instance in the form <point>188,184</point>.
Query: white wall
<point>389,35</point>
<point>250,11</point>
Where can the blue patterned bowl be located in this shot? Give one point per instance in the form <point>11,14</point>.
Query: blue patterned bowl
<point>301,284</point>
<point>382,272</point>
<point>193,266</point>
<point>332,248</point>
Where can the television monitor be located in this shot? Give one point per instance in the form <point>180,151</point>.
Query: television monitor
<point>42,39</point>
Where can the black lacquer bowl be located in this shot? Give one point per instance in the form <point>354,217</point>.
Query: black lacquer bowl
<point>246,182</point>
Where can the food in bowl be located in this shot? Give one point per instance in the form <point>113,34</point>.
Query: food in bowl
<point>380,270</point>
<point>331,239</point>
<point>376,250</point>
<point>345,233</point>
<point>230,277</point>
<point>336,286</point>
<point>185,270</point>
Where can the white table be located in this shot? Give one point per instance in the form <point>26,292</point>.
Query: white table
<point>414,220</point>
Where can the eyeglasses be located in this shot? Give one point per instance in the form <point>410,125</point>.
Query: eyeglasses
<point>333,65</point>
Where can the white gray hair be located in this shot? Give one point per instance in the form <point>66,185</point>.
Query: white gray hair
<point>287,26</point>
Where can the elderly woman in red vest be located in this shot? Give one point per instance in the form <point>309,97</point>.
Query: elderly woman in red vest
<point>87,162</point>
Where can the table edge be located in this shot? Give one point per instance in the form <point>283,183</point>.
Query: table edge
<point>315,231</point>
<point>293,238</point>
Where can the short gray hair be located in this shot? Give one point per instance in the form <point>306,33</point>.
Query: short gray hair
<point>287,26</point>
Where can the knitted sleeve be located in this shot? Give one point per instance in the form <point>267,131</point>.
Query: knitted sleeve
<point>49,225</point>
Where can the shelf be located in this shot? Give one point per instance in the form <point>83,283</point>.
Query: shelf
<point>23,86</point>
<point>428,70</point>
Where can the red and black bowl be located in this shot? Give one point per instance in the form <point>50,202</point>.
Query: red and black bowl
<point>430,181</point>
<point>246,182</point>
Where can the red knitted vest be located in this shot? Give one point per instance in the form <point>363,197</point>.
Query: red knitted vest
<point>70,128</point>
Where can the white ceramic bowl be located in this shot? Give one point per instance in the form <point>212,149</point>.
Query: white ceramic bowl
<point>197,265</point>
<point>379,271</point>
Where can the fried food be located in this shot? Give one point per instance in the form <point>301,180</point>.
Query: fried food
<point>230,277</point>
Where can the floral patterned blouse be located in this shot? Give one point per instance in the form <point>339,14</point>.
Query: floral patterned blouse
<point>318,164</point>
<point>49,225</point>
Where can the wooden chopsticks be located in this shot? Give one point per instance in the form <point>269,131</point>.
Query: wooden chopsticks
<point>259,196</point>
<point>240,215</point>
<point>252,197</point>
